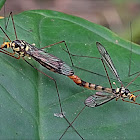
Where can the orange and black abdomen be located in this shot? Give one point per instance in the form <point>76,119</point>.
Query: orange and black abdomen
<point>88,85</point>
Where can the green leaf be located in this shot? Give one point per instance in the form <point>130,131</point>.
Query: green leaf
<point>28,99</point>
<point>2,2</point>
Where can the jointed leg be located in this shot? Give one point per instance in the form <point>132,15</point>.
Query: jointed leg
<point>72,123</point>
<point>11,15</point>
<point>63,49</point>
<point>130,102</point>
<point>10,54</point>
<point>61,110</point>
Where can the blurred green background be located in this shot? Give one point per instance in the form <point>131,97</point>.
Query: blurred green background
<point>113,14</point>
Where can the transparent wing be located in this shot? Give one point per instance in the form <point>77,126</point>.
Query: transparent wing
<point>107,59</point>
<point>98,99</point>
<point>49,61</point>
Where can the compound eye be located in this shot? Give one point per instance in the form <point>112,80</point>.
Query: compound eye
<point>5,46</point>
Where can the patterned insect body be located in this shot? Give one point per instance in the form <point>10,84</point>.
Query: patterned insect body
<point>51,62</point>
<point>125,93</point>
<point>18,47</point>
<point>108,94</point>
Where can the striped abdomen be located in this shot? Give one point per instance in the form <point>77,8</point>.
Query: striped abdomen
<point>90,86</point>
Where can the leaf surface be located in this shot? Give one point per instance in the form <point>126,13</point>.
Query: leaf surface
<point>28,99</point>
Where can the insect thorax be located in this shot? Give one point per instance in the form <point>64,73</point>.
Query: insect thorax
<point>125,93</point>
<point>20,47</point>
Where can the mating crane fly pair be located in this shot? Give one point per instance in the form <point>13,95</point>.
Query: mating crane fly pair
<point>21,49</point>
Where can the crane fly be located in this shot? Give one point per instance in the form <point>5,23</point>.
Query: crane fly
<point>107,94</point>
<point>22,49</point>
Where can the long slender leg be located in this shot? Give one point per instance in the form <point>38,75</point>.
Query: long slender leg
<point>130,102</point>
<point>51,79</point>
<point>70,125</point>
<point>82,111</point>
<point>96,73</point>
<point>134,73</point>
<point>54,44</point>
<point>5,33</point>
<point>61,110</point>
<point>66,48</point>
<point>12,55</point>
<point>70,54</point>
<point>72,122</point>
<point>8,53</point>
<point>133,80</point>
<point>73,55</point>
<point>135,91</point>
<point>11,15</point>
<point>130,59</point>
<point>78,56</point>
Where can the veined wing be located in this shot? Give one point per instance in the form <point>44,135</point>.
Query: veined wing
<point>98,99</point>
<point>107,59</point>
<point>49,61</point>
